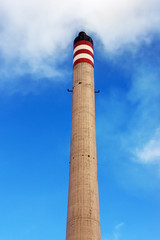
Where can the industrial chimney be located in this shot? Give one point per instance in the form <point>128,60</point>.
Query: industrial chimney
<point>83,220</point>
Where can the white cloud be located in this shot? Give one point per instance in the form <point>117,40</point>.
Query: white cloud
<point>35,34</point>
<point>144,124</point>
<point>129,122</point>
<point>150,153</point>
<point>115,235</point>
<point>118,226</point>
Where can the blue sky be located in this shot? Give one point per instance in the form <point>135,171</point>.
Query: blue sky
<point>36,41</point>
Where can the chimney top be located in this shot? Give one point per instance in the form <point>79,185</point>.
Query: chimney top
<point>83,36</point>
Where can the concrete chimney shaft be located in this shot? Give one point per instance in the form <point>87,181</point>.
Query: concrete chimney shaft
<point>83,220</point>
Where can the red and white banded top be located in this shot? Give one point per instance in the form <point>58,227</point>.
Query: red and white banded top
<point>83,50</point>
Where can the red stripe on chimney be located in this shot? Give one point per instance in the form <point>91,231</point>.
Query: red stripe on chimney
<point>83,51</point>
<point>83,60</point>
<point>83,42</point>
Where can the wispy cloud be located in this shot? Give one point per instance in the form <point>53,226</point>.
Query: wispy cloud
<point>150,153</point>
<point>116,234</point>
<point>35,35</point>
<point>118,226</point>
<point>128,126</point>
<point>145,136</point>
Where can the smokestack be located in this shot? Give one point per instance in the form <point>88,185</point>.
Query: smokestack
<point>83,220</point>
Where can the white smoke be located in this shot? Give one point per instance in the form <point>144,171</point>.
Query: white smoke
<point>35,34</point>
